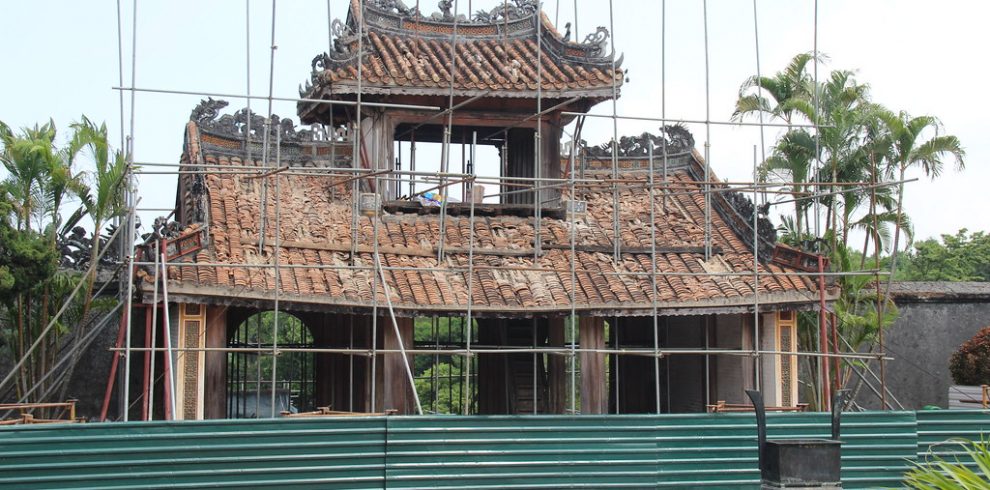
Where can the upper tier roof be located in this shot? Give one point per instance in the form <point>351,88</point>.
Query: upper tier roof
<point>511,51</point>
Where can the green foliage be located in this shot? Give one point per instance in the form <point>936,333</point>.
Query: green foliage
<point>294,370</point>
<point>937,473</point>
<point>439,379</point>
<point>39,184</point>
<point>821,173</point>
<point>449,382</point>
<point>970,364</point>
<point>27,262</point>
<point>960,257</point>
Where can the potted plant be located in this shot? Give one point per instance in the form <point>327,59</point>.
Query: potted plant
<point>970,368</point>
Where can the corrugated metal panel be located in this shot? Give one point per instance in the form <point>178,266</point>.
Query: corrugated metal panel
<point>720,449</point>
<point>522,452</point>
<point>876,448</point>
<point>937,427</point>
<point>671,451</point>
<point>237,453</point>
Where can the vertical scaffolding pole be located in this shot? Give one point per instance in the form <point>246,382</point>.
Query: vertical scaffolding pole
<point>131,204</point>
<point>616,233</point>
<point>169,368</point>
<point>154,331</point>
<point>816,123</point>
<point>538,194</point>
<point>443,191</point>
<point>653,281</point>
<point>663,95</point>
<point>708,141</point>
<point>757,347</point>
<point>470,281</point>
<point>573,288</point>
<point>247,77</point>
<point>277,250</point>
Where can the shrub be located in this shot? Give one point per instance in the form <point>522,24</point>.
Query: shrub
<point>970,365</point>
<point>970,473</point>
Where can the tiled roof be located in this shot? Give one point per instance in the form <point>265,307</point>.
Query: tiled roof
<point>939,291</point>
<point>510,54</point>
<point>315,230</point>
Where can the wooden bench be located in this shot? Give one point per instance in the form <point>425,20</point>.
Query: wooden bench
<point>722,407</point>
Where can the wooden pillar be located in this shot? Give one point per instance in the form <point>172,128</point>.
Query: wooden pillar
<point>520,162</point>
<point>557,369</point>
<point>394,390</point>
<point>493,387</point>
<point>551,158</point>
<point>592,333</point>
<point>215,391</point>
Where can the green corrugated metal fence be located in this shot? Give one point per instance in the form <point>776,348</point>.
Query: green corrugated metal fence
<point>626,451</point>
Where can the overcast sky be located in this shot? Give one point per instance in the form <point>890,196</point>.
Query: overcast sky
<point>61,61</point>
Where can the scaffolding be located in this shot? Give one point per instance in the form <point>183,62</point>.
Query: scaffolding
<point>465,345</point>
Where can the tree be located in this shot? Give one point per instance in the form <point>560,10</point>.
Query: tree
<point>961,257</point>
<point>791,161</point>
<point>39,185</point>
<point>910,150</point>
<point>774,95</point>
<point>854,141</point>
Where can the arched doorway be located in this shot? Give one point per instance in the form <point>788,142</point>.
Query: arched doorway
<point>259,385</point>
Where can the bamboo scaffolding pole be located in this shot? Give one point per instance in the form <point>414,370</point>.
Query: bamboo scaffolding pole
<point>563,351</point>
<point>461,268</point>
<point>346,103</point>
<point>667,120</point>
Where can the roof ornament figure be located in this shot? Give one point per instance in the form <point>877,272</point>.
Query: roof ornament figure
<point>598,39</point>
<point>567,34</point>
<point>676,138</point>
<point>445,10</point>
<point>207,110</point>
<point>521,9</point>
<point>394,6</point>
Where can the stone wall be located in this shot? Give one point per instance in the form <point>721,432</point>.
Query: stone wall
<point>935,318</point>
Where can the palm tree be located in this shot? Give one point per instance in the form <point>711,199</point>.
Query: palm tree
<point>772,95</point>
<point>102,199</point>
<point>841,117</point>
<point>909,150</point>
<point>791,162</point>
<point>38,183</point>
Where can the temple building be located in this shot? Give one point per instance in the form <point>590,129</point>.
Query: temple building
<point>303,261</point>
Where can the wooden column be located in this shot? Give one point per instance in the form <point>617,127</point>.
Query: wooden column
<point>395,392</point>
<point>551,158</point>
<point>493,387</point>
<point>521,161</point>
<point>215,396</point>
<point>593,389</point>
<point>557,369</point>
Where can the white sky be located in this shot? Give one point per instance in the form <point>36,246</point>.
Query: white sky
<point>61,60</point>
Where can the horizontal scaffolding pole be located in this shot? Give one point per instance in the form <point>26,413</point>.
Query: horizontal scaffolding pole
<point>462,268</point>
<point>281,99</point>
<point>695,121</point>
<point>563,351</point>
